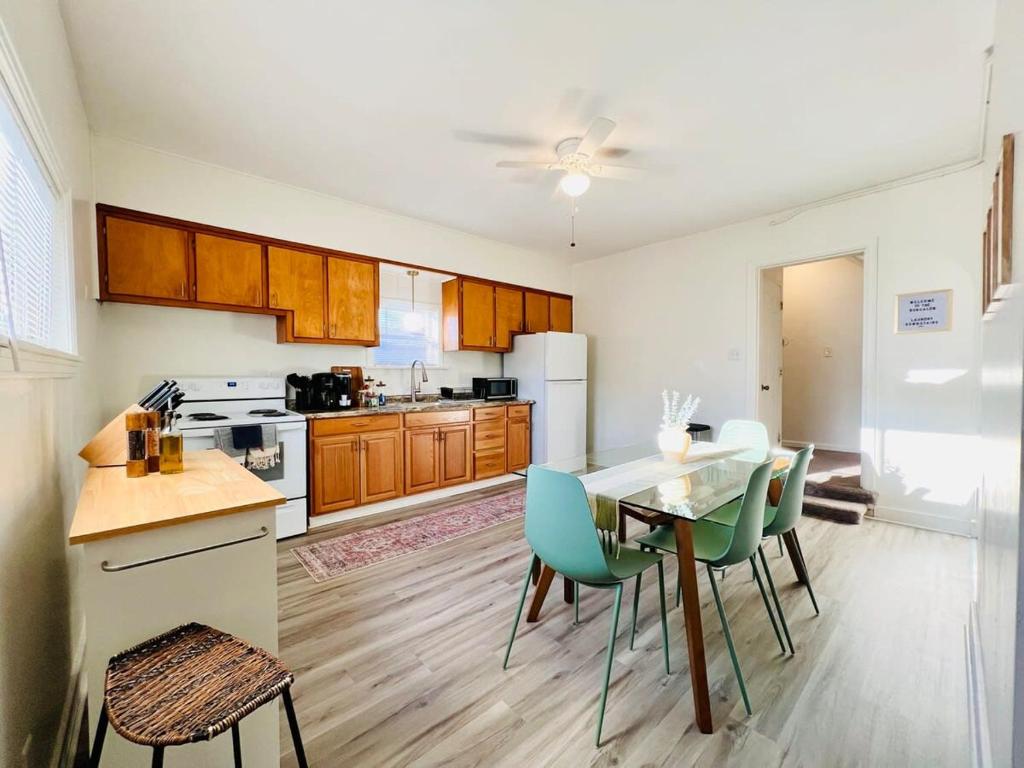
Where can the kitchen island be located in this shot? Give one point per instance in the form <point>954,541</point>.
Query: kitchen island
<point>163,550</point>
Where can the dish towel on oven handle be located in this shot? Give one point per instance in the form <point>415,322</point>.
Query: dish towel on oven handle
<point>269,455</point>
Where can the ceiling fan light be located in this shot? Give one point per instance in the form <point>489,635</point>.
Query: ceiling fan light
<point>575,184</point>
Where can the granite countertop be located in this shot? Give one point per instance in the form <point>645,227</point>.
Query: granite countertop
<point>419,407</point>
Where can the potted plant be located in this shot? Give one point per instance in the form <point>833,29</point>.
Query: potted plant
<point>673,439</point>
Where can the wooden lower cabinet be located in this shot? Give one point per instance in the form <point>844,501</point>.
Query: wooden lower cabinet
<point>422,459</point>
<point>517,444</point>
<point>380,466</point>
<point>335,473</point>
<point>456,455</point>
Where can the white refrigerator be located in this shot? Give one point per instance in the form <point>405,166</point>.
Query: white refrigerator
<point>552,370</point>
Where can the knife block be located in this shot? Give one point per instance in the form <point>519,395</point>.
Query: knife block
<point>108,446</point>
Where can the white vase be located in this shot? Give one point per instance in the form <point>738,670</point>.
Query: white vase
<point>674,443</point>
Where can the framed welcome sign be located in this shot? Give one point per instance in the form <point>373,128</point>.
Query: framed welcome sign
<point>924,311</point>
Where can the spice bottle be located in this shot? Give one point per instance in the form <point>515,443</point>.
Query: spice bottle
<point>135,460</point>
<point>172,446</point>
<point>152,441</point>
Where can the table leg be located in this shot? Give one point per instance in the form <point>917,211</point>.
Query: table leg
<point>568,593</point>
<point>535,573</point>
<point>694,625</point>
<point>547,575</point>
<point>774,491</point>
<point>795,557</point>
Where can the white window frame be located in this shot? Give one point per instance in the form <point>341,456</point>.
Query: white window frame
<point>34,360</point>
<point>438,366</point>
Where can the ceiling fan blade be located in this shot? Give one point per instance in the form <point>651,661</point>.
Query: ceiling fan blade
<point>525,164</point>
<point>622,172</point>
<point>599,130</point>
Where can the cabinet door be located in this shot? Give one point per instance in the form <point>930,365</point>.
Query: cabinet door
<point>508,315</point>
<point>477,314</point>
<point>517,451</point>
<point>228,271</point>
<point>296,280</point>
<point>537,320</point>
<point>561,314</point>
<point>335,473</point>
<point>456,455</point>
<point>351,300</point>
<point>146,260</point>
<point>422,459</point>
<point>381,466</point>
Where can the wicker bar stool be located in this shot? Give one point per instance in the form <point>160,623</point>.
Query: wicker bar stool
<point>189,685</point>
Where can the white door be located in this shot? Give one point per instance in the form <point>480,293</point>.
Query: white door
<point>769,399</point>
<point>566,424</point>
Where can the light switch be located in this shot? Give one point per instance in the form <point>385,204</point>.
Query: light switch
<point>828,351</point>
<point>734,354</point>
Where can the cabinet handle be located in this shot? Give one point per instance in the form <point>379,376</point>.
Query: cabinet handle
<point>273,298</point>
<point>181,290</point>
<point>109,568</point>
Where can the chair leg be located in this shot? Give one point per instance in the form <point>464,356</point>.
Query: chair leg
<point>101,733</point>
<point>576,602</point>
<point>158,757</point>
<point>608,662</point>
<point>664,617</point>
<point>810,589</point>
<point>293,726</point>
<point>775,598</point>
<point>767,607</point>
<point>236,745</point>
<point>779,539</point>
<point>728,641</point>
<point>636,608</point>
<point>519,610</point>
<point>679,595</point>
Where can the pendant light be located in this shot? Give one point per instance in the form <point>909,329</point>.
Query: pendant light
<point>413,320</point>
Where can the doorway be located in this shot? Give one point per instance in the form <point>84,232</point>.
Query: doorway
<point>810,353</point>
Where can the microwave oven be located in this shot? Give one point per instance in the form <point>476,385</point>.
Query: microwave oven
<point>495,388</point>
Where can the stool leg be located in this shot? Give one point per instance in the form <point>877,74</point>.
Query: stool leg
<point>158,757</point>
<point>236,744</point>
<point>293,724</point>
<point>97,745</point>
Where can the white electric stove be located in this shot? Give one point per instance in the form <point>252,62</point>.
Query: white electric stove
<point>213,403</point>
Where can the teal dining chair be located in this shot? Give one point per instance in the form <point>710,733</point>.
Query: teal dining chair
<point>748,434</point>
<point>561,533</point>
<point>782,520</point>
<point>720,546</point>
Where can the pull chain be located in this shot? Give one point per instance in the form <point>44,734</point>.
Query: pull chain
<point>572,222</point>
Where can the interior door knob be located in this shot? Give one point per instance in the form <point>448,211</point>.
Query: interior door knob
<point>765,387</point>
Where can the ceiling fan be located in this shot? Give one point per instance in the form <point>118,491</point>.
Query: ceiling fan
<point>576,160</point>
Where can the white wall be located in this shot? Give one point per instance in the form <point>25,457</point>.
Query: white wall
<point>822,307</point>
<point>682,314</point>
<point>999,593</point>
<point>43,421</point>
<point>143,343</point>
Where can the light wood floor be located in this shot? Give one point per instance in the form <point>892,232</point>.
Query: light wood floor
<point>400,663</point>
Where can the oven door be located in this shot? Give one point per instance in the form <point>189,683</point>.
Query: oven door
<point>289,476</point>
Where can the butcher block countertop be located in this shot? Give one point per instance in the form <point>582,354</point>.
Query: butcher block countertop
<point>112,504</point>
<point>419,407</point>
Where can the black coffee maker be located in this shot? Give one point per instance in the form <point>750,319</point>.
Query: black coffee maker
<point>330,392</point>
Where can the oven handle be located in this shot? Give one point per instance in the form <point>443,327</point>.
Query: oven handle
<point>106,566</point>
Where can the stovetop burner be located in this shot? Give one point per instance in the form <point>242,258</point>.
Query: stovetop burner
<point>207,417</point>
<point>267,412</point>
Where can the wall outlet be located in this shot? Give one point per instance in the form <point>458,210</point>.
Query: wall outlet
<point>828,351</point>
<point>734,354</point>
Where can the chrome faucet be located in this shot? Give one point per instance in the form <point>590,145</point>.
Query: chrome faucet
<point>413,389</point>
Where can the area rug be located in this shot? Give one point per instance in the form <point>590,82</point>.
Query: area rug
<point>346,553</point>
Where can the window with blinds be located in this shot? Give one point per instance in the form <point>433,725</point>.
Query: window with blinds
<point>34,302</point>
<point>406,336</point>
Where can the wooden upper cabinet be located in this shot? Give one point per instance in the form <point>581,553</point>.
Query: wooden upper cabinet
<point>477,314</point>
<point>560,310</point>
<point>537,312</point>
<point>381,466</point>
<point>422,460</point>
<point>456,455</point>
<point>508,315</point>
<point>229,271</point>
<point>336,475</point>
<point>296,282</point>
<point>146,260</point>
<point>352,300</point>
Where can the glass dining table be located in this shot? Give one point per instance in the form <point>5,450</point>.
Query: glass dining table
<point>636,482</point>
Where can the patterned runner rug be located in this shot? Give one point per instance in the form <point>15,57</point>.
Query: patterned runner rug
<point>342,554</point>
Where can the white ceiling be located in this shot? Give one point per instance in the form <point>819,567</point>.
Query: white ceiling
<point>744,107</point>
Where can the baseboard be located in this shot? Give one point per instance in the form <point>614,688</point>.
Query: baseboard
<point>820,446</point>
<point>977,714</point>
<point>72,714</point>
<point>924,520</point>
<point>407,501</point>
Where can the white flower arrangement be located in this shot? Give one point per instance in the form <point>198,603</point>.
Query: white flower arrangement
<point>674,415</point>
